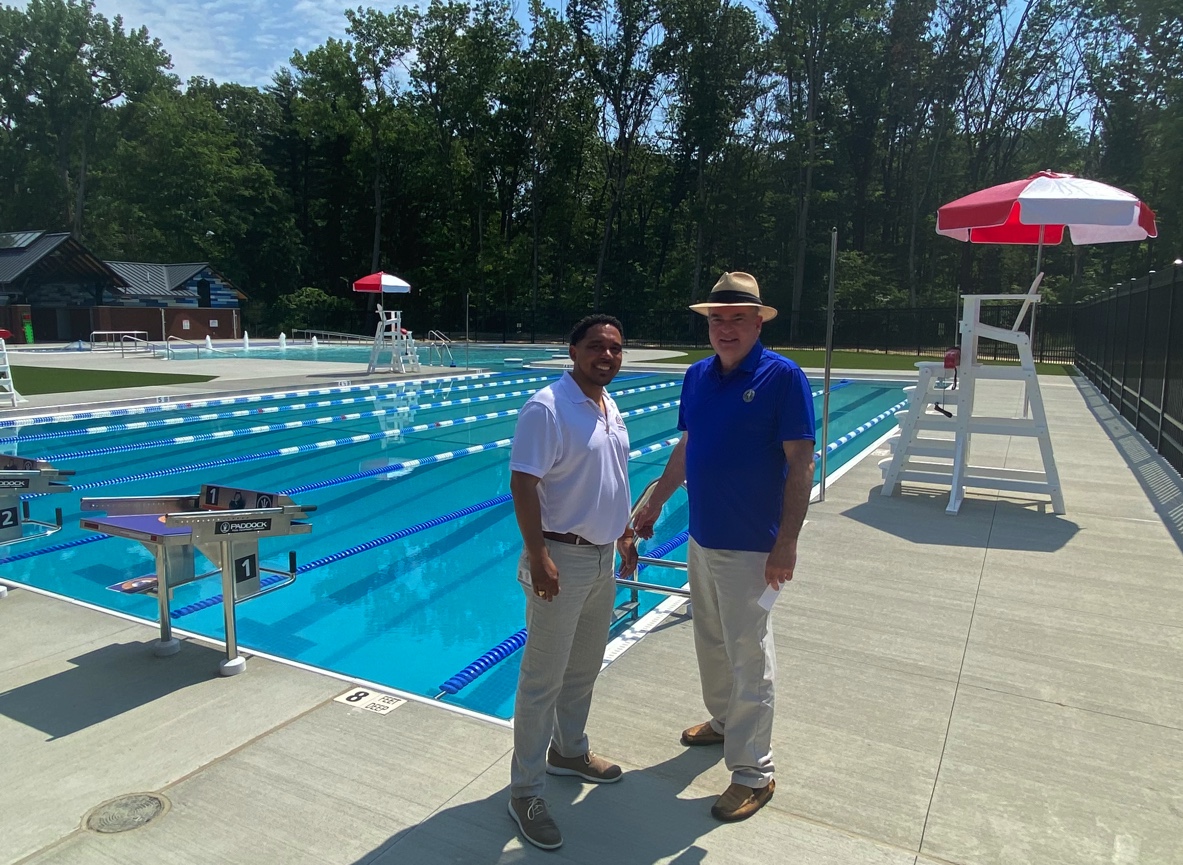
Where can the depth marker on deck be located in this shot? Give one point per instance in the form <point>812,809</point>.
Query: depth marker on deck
<point>370,700</point>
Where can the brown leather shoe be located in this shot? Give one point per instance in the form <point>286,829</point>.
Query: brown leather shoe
<point>589,767</point>
<point>739,802</point>
<point>702,734</point>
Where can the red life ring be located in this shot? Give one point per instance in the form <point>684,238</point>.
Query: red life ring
<point>5,334</point>
<point>404,331</point>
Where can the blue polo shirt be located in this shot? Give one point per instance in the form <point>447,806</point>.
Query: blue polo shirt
<point>735,461</point>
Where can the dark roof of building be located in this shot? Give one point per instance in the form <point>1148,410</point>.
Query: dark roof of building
<point>164,280</point>
<point>48,256</point>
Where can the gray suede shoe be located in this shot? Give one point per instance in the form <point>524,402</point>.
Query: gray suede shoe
<point>533,818</point>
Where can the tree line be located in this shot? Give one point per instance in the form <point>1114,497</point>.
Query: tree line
<point>612,154</point>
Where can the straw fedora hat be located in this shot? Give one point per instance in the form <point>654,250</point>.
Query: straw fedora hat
<point>735,289</point>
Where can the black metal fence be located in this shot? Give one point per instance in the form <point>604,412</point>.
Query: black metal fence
<point>1129,342</point>
<point>920,332</point>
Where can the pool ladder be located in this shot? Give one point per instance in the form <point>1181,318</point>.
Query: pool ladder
<point>439,348</point>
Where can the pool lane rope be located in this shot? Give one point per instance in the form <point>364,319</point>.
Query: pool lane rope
<point>288,451</point>
<point>859,430</point>
<point>249,412</point>
<point>250,399</point>
<point>304,448</point>
<point>309,422</point>
<point>408,465</point>
<point>512,643</point>
<point>402,533</point>
<point>53,548</point>
<point>132,411</point>
<point>276,427</point>
<point>240,413</point>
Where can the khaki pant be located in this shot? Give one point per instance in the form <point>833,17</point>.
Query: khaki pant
<point>736,656</point>
<point>564,652</point>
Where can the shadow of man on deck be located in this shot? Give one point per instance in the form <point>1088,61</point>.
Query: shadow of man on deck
<point>638,821</point>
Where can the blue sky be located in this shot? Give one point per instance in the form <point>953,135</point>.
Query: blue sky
<point>235,40</point>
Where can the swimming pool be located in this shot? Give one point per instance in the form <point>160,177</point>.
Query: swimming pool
<point>408,574</point>
<point>477,355</point>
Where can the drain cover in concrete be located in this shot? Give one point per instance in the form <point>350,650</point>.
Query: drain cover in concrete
<point>126,813</point>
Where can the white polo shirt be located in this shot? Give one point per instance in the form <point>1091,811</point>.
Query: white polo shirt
<point>581,456</point>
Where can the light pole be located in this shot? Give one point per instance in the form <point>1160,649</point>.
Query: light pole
<point>821,493</point>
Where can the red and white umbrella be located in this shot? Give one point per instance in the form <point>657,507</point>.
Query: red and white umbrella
<point>1038,209</point>
<point>387,283</point>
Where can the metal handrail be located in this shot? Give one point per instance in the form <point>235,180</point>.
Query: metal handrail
<point>107,338</point>
<point>135,339</point>
<point>439,337</point>
<point>168,354</point>
<point>440,349</point>
<point>634,584</point>
<point>329,335</point>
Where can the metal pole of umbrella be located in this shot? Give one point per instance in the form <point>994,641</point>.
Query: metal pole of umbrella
<point>821,496</point>
<point>466,294</point>
<point>1034,306</point>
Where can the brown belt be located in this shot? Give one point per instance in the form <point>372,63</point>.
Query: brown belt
<point>568,538</point>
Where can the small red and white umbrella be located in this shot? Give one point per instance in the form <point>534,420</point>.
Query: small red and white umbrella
<point>386,283</point>
<point>1038,209</point>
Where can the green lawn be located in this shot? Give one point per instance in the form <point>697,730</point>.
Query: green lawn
<point>30,380</point>
<point>816,359</point>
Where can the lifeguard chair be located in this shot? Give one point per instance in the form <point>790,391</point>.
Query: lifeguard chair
<point>391,335</point>
<point>924,450</point>
<point>7,388</point>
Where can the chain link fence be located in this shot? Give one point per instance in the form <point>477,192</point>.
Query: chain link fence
<point>922,332</point>
<point>918,332</point>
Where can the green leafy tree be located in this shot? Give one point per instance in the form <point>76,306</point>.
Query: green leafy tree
<point>714,56</point>
<point>61,65</point>
<point>617,40</point>
<point>311,308</point>
<point>381,41</point>
<point>180,185</point>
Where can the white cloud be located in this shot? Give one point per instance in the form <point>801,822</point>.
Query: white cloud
<point>244,41</point>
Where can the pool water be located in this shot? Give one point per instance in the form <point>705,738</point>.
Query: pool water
<point>409,480</point>
<point>476,356</point>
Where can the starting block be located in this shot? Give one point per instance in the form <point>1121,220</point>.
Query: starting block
<point>20,476</point>
<point>225,525</point>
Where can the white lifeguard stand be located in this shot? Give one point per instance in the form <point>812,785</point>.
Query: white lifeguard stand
<point>390,334</point>
<point>924,450</point>
<point>7,388</point>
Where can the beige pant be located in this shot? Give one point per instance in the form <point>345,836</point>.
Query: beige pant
<point>736,657</point>
<point>564,652</point>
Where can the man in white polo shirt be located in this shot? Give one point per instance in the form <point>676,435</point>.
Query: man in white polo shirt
<point>570,489</point>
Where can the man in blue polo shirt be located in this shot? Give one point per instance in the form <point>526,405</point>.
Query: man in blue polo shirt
<point>746,456</point>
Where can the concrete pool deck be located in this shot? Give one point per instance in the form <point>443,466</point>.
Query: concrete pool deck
<point>1001,686</point>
